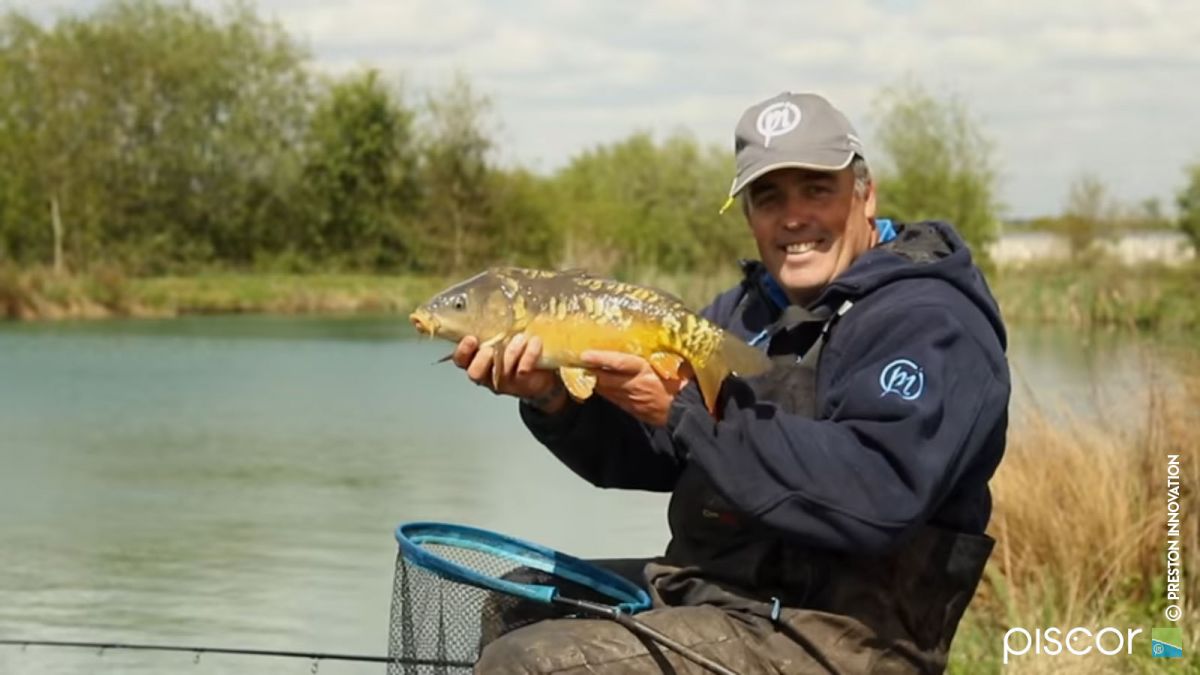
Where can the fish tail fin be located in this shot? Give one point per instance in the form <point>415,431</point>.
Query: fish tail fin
<point>732,357</point>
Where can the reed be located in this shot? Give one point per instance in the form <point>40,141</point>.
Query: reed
<point>40,293</point>
<point>1100,295</point>
<point>1081,530</point>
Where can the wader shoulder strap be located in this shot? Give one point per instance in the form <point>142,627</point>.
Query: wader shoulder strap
<point>813,355</point>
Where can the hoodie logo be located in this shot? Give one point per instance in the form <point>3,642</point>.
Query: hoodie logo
<point>776,120</point>
<point>902,378</point>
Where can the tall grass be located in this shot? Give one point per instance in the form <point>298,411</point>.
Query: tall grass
<point>1100,294</point>
<point>1081,530</point>
<point>40,293</point>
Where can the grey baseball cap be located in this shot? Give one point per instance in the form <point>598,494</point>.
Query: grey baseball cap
<point>791,130</point>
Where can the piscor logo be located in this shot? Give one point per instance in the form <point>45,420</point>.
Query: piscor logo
<point>1078,641</point>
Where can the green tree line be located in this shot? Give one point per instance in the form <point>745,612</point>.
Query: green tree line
<point>156,138</point>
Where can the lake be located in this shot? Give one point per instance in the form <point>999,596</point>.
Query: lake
<point>234,481</point>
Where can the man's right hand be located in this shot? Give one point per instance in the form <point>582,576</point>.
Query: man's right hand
<point>518,375</point>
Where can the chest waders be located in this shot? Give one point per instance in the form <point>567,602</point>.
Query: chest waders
<point>847,613</point>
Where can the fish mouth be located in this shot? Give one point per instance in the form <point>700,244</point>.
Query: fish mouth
<point>424,322</point>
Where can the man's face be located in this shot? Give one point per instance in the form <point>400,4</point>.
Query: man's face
<point>809,226</point>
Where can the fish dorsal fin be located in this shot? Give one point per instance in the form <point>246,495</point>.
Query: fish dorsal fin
<point>578,381</point>
<point>503,271</point>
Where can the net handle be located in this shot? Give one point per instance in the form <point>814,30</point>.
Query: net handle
<point>411,536</point>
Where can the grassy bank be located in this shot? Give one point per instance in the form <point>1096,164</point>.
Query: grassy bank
<point>41,294</point>
<point>35,294</point>
<point>1081,527</point>
<point>1148,298</point>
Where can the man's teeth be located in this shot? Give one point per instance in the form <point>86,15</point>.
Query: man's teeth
<point>802,247</point>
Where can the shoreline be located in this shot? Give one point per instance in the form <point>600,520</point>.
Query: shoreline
<point>1138,298</point>
<point>38,295</point>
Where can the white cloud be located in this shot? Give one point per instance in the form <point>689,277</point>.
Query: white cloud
<point>1101,85</point>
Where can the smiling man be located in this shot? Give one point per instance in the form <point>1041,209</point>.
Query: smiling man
<point>832,519</point>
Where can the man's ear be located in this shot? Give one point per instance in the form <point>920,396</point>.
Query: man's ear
<point>869,202</point>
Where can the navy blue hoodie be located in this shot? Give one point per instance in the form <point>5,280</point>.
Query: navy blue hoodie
<point>911,398</point>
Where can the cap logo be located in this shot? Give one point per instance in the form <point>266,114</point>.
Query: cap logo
<point>777,119</point>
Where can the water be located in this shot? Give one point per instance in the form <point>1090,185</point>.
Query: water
<point>234,481</point>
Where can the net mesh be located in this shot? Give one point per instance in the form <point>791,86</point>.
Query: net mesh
<point>438,626</point>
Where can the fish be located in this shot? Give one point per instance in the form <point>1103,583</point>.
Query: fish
<point>572,311</point>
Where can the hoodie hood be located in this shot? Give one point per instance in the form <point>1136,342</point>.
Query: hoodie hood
<point>928,249</point>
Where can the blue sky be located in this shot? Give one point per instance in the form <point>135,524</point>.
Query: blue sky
<point>1106,86</point>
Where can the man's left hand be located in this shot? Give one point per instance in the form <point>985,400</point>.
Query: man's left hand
<point>633,385</point>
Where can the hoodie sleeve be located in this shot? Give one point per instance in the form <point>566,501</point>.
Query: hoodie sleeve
<point>912,397</point>
<point>607,447</point>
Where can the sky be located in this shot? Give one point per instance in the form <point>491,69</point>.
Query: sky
<point>1107,87</point>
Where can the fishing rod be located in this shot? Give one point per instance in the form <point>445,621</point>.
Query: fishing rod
<point>198,651</point>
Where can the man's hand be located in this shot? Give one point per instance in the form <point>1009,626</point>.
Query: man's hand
<point>632,384</point>
<point>518,375</point>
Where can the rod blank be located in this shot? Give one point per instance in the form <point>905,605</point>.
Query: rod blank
<point>314,656</point>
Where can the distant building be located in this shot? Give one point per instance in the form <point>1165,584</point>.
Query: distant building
<point>1019,248</point>
<point>1160,246</point>
<point>1165,247</point>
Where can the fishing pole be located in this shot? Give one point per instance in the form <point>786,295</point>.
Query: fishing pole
<point>313,656</point>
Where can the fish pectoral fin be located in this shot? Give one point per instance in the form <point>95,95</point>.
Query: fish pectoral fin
<point>578,381</point>
<point>498,362</point>
<point>666,364</point>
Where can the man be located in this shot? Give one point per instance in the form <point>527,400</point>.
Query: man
<point>832,519</point>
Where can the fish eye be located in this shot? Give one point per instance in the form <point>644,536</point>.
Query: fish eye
<point>459,302</point>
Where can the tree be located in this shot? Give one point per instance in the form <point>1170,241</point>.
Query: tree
<point>26,233</point>
<point>455,171</point>
<point>937,164</point>
<point>360,174</point>
<point>153,134</point>
<point>1188,201</point>
<point>1149,215</point>
<point>48,125</point>
<point>209,112</point>
<point>1089,212</point>
<point>523,224</point>
<point>640,204</point>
